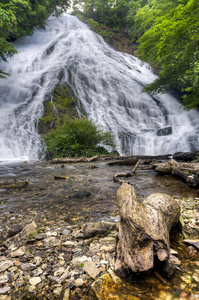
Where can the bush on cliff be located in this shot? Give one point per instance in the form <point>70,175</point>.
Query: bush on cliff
<point>77,137</point>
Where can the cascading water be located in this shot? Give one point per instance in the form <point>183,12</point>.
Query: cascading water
<point>107,83</point>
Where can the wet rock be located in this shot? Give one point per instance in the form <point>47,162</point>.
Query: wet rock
<point>20,238</point>
<point>80,195</point>
<point>164,131</point>
<point>184,156</point>
<point>163,168</point>
<point>35,280</point>
<point>14,230</point>
<point>170,265</point>
<point>98,228</point>
<point>4,265</point>
<point>92,167</point>
<point>195,243</point>
<point>91,269</point>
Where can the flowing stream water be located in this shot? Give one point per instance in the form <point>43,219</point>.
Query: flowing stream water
<point>108,85</point>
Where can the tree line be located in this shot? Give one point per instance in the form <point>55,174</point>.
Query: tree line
<point>167,32</point>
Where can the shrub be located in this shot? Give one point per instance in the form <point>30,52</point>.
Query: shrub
<point>77,137</point>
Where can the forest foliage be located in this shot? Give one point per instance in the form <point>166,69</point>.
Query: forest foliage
<point>167,32</point>
<point>20,17</point>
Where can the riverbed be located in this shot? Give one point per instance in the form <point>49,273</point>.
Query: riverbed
<point>29,191</point>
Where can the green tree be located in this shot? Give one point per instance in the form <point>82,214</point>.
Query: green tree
<point>20,17</point>
<point>172,45</point>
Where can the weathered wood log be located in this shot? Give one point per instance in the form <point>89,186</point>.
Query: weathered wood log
<point>116,176</point>
<point>124,162</point>
<point>144,229</point>
<point>136,166</point>
<point>74,160</point>
<point>188,172</point>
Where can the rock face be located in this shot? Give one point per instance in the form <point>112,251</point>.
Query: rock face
<point>144,229</point>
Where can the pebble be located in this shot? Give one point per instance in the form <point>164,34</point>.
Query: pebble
<point>91,269</point>
<point>6,264</point>
<point>66,294</point>
<point>57,291</point>
<point>79,282</point>
<point>78,261</point>
<point>4,279</point>
<point>5,290</point>
<point>35,280</point>
<point>19,252</point>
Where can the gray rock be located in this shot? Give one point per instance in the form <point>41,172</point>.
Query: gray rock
<point>55,279</point>
<point>5,290</point>
<point>98,228</point>
<point>91,269</point>
<point>27,267</point>
<point>19,252</point>
<point>4,265</point>
<point>19,239</point>
<point>79,260</point>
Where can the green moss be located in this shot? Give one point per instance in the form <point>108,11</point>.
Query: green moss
<point>56,107</point>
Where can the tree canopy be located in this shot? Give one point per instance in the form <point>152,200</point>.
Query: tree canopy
<point>167,33</point>
<point>21,17</point>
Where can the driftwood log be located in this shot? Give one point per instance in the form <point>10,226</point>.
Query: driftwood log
<point>144,230</point>
<point>74,160</point>
<point>188,172</point>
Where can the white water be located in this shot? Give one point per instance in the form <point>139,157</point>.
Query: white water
<point>108,84</point>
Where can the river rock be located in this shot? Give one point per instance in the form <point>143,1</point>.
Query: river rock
<point>4,265</point>
<point>20,238</point>
<point>79,260</point>
<point>98,228</point>
<point>4,279</point>
<point>184,156</point>
<point>35,280</point>
<point>66,294</point>
<point>5,290</point>
<point>91,269</point>
<point>163,168</point>
<point>19,252</point>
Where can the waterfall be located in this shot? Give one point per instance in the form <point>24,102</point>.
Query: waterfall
<point>107,83</point>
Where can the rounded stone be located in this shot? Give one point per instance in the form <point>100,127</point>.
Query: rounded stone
<point>35,280</point>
